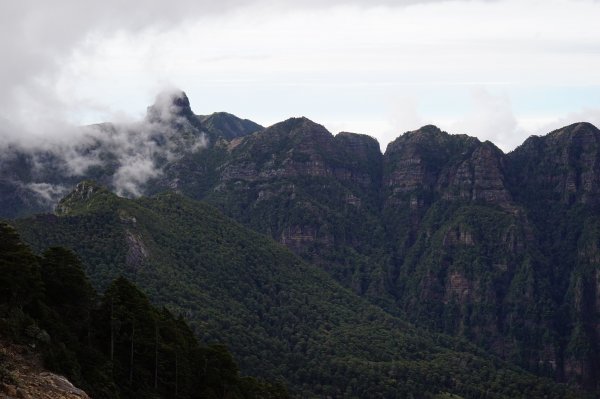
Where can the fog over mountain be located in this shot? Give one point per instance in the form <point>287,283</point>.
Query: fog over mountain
<point>134,151</point>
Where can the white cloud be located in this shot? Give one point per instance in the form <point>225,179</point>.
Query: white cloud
<point>134,152</point>
<point>134,171</point>
<point>591,115</point>
<point>491,117</point>
<point>47,193</point>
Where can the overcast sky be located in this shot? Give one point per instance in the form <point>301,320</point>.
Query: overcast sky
<point>499,70</point>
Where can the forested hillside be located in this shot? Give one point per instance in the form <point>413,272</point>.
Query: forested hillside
<point>283,319</point>
<point>115,345</point>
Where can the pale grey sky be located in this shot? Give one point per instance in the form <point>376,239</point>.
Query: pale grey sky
<point>500,70</point>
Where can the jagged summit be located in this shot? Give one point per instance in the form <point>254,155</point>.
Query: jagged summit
<point>81,197</point>
<point>170,104</point>
<point>431,129</point>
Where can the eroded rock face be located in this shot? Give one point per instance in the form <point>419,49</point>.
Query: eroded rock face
<point>299,147</point>
<point>81,193</point>
<point>136,252</point>
<point>413,160</point>
<point>297,236</point>
<point>29,380</point>
<point>563,165</point>
<point>453,167</point>
<point>479,178</point>
<point>342,174</point>
<point>460,235</point>
<point>458,287</point>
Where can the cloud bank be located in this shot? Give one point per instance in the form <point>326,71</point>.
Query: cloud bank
<point>127,155</point>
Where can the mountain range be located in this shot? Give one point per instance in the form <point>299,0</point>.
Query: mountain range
<point>440,236</point>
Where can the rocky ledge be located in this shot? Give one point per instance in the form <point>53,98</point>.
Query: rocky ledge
<point>22,376</point>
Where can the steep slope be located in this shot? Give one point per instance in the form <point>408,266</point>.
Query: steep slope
<point>561,167</point>
<point>280,316</point>
<point>437,230</point>
<point>557,178</point>
<point>315,193</point>
<point>447,211</point>
<point>115,346</point>
<point>472,255</point>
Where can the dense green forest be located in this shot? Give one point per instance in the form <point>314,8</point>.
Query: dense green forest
<point>116,345</point>
<point>284,319</point>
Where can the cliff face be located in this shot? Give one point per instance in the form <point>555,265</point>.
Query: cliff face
<point>563,166</point>
<point>439,229</point>
<point>298,148</point>
<point>316,193</point>
<point>555,177</point>
<point>457,168</point>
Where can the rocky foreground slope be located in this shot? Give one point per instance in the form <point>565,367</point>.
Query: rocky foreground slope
<point>24,377</point>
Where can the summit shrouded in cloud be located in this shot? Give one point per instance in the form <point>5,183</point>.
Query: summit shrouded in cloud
<point>171,105</point>
<point>123,155</point>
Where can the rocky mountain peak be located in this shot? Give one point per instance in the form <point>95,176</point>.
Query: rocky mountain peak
<point>169,105</point>
<point>426,132</point>
<point>575,129</point>
<point>81,196</point>
<point>480,177</point>
<point>564,165</point>
<point>426,158</point>
<point>428,129</point>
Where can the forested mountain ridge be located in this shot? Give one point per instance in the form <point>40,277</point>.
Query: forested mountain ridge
<point>443,230</point>
<point>283,319</point>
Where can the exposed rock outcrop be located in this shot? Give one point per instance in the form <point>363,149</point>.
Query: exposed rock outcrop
<point>454,167</point>
<point>563,165</point>
<point>27,379</point>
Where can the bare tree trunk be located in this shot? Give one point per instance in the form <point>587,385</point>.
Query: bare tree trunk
<point>131,357</point>
<point>176,373</point>
<point>89,328</point>
<point>112,331</point>
<point>155,354</point>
